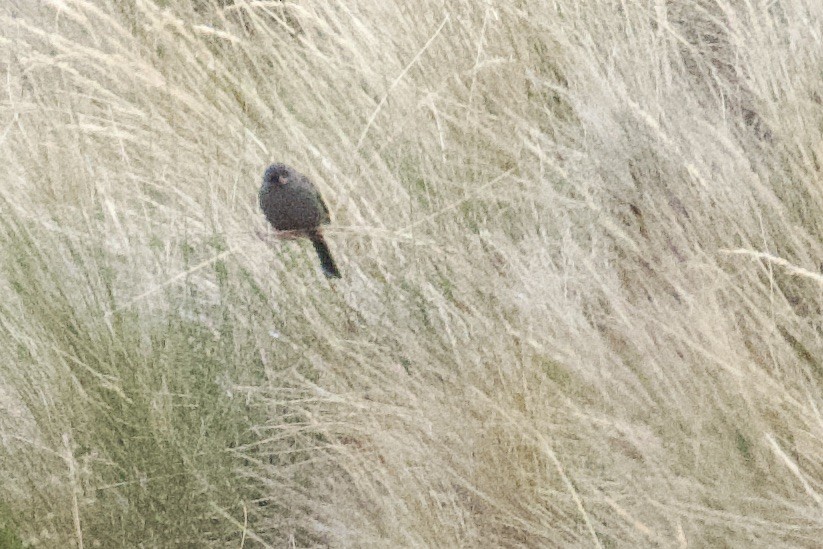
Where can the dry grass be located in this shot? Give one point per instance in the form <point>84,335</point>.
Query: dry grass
<point>581,303</point>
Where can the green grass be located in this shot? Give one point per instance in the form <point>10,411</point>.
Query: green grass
<point>581,296</point>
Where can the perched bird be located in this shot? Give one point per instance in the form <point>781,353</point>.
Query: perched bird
<point>292,203</point>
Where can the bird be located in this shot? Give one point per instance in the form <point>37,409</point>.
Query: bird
<point>292,203</point>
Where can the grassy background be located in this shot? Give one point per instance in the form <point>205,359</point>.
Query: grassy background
<point>581,246</point>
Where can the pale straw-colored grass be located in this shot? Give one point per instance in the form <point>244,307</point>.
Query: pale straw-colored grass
<point>581,253</point>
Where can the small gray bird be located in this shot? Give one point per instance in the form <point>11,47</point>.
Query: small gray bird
<point>292,203</point>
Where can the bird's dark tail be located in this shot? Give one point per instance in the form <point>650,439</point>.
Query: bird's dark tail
<point>326,260</point>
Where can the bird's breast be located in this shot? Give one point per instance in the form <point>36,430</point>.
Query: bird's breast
<point>290,208</point>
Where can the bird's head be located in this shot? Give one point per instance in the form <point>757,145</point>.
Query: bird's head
<point>277,174</point>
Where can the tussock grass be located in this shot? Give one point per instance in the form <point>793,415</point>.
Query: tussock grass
<point>581,246</point>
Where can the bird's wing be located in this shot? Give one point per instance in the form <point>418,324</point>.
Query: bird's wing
<point>326,215</point>
<point>306,183</point>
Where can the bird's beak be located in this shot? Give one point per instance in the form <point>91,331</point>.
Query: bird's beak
<point>283,180</point>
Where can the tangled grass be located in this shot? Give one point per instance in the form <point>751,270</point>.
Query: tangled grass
<point>581,249</point>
